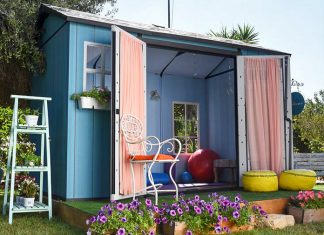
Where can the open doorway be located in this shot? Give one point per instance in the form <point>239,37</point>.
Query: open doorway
<point>191,96</point>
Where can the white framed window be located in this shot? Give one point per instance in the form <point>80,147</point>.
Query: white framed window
<point>186,125</point>
<point>96,66</point>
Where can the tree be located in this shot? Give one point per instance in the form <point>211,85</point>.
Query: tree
<point>245,33</point>
<point>309,126</point>
<point>20,55</point>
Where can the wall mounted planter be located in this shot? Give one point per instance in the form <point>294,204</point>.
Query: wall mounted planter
<point>305,216</point>
<point>91,103</point>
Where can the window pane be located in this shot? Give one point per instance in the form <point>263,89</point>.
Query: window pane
<point>179,128</point>
<point>192,128</point>
<point>192,112</point>
<point>192,145</point>
<point>94,58</point>
<point>179,110</point>
<point>107,53</point>
<point>108,81</point>
<point>94,80</point>
<point>183,145</point>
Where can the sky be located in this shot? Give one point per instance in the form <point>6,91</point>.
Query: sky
<point>293,26</point>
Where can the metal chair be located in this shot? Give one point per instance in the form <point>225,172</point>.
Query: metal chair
<point>138,147</point>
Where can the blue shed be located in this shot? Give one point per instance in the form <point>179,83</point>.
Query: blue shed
<point>185,72</point>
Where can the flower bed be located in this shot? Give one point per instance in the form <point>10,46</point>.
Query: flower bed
<point>218,214</point>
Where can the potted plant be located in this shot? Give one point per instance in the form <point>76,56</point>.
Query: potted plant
<point>307,207</point>
<point>28,190</point>
<point>96,98</point>
<point>123,218</point>
<point>32,117</point>
<point>30,159</point>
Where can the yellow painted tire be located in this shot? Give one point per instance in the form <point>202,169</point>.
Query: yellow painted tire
<point>260,181</point>
<point>298,179</point>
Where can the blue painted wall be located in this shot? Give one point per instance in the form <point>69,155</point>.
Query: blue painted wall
<point>88,130</point>
<point>54,83</point>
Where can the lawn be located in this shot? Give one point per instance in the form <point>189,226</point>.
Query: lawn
<point>35,224</point>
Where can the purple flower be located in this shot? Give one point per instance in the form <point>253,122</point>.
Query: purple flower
<point>164,220</point>
<point>209,207</point>
<point>237,198</point>
<point>197,210</point>
<point>120,206</point>
<point>121,231</point>
<point>196,198</point>
<point>226,229</point>
<point>187,208</point>
<point>89,232</point>
<point>92,219</point>
<point>263,213</point>
<point>219,218</point>
<point>218,229</point>
<point>109,212</point>
<point>225,219</point>
<point>123,219</point>
<point>87,222</point>
<point>188,232</point>
<point>226,203</point>
<point>135,203</point>
<point>100,213</point>
<point>148,202</point>
<point>180,211</point>
<point>151,233</point>
<point>233,204</point>
<point>173,213</point>
<point>103,219</point>
<point>236,214</point>
<point>156,209</point>
<point>157,220</point>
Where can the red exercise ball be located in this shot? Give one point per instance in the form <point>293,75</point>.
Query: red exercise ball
<point>200,165</point>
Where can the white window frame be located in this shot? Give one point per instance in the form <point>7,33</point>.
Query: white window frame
<point>103,71</point>
<point>198,122</point>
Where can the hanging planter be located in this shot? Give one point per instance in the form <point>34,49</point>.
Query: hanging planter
<point>96,98</point>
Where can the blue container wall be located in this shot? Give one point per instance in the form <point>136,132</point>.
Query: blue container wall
<point>54,83</point>
<point>88,130</point>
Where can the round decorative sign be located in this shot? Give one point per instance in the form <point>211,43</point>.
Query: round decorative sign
<point>298,103</point>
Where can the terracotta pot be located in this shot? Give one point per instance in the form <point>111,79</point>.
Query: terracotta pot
<point>305,216</point>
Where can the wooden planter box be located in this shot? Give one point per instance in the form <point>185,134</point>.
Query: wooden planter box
<point>91,103</point>
<point>180,228</point>
<point>305,216</point>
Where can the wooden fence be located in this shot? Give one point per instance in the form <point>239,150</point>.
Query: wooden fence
<point>311,161</point>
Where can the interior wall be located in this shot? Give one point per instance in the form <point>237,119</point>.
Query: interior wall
<point>159,112</point>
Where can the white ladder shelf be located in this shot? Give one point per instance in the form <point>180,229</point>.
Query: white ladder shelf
<point>12,168</point>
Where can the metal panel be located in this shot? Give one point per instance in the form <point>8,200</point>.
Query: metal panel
<point>115,168</point>
<point>244,163</point>
<point>241,135</point>
<point>54,83</point>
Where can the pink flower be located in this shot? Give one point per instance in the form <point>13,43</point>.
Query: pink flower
<point>319,195</point>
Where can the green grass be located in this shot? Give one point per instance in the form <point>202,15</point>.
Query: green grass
<point>35,224</point>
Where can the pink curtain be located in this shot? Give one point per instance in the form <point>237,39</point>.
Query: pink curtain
<point>132,97</point>
<point>264,113</point>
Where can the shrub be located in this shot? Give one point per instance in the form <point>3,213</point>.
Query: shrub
<point>28,188</point>
<point>24,145</point>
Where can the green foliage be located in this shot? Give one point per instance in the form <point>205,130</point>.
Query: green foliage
<point>102,95</point>
<point>133,218</point>
<point>245,33</point>
<point>309,126</point>
<point>30,159</point>
<point>24,146</point>
<point>28,188</point>
<point>18,34</point>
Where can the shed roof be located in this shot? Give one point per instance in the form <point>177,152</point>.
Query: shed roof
<point>147,29</point>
